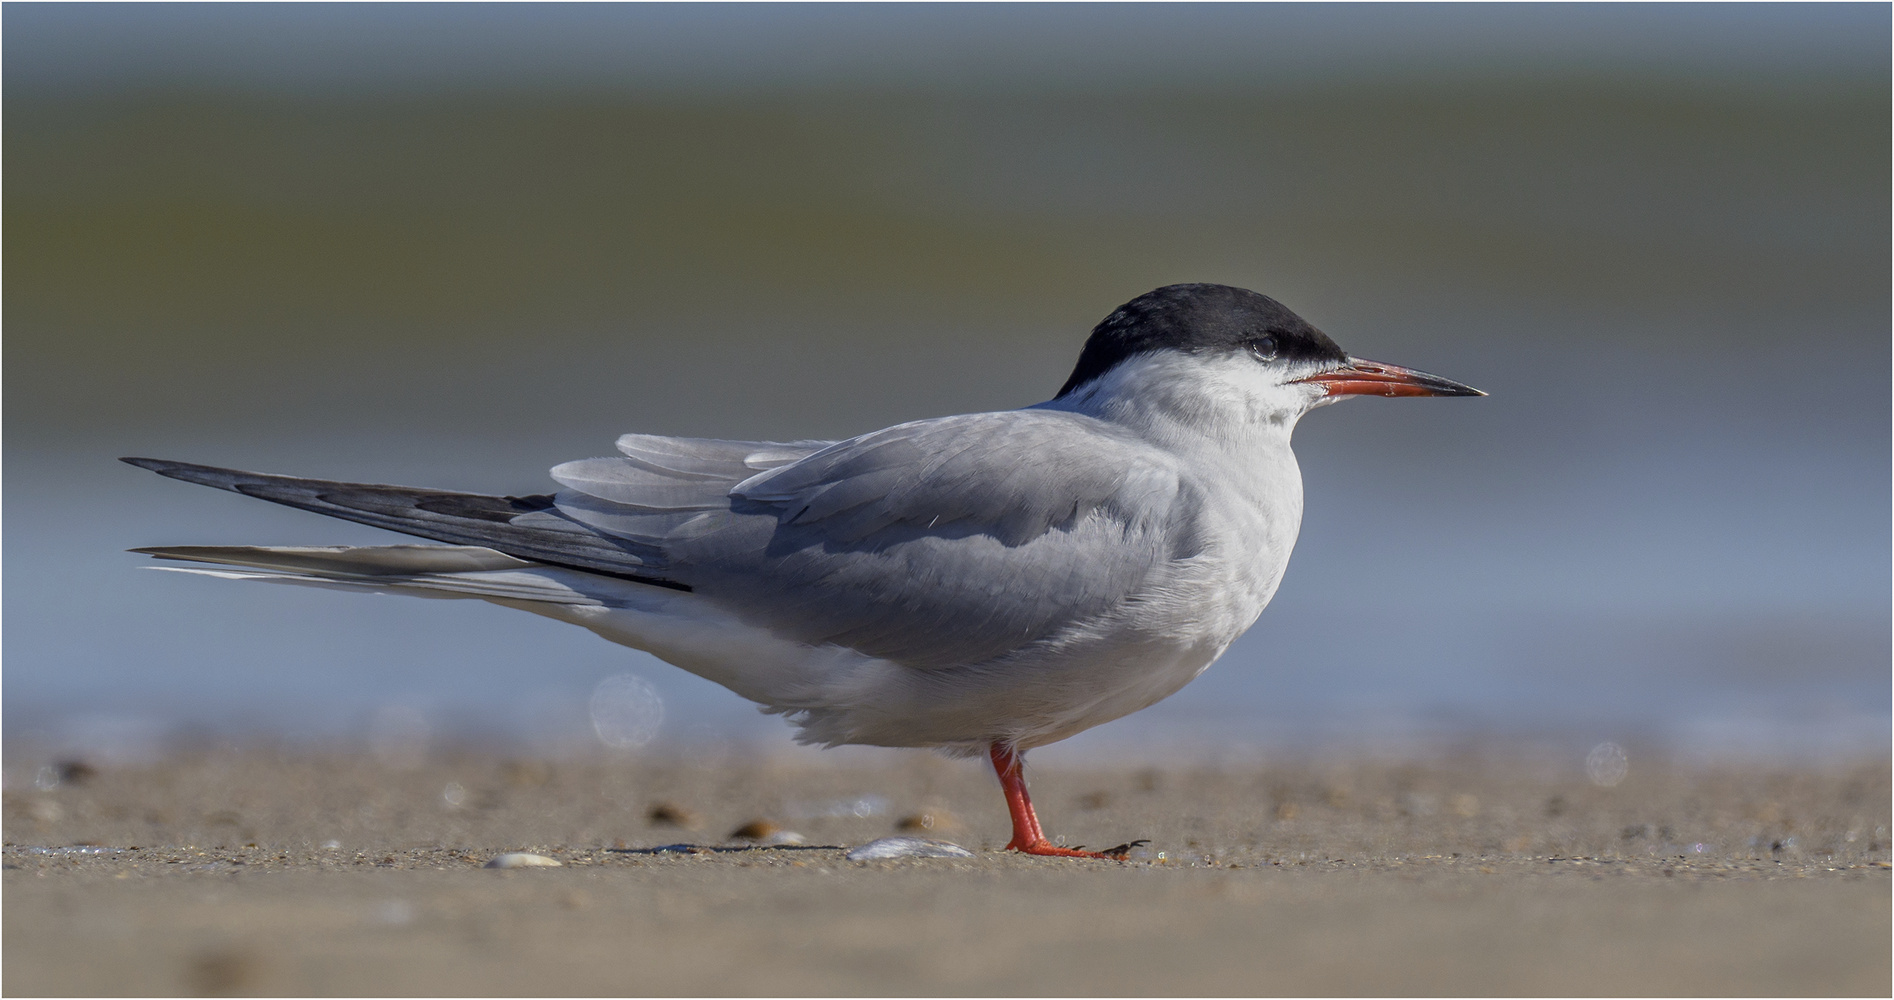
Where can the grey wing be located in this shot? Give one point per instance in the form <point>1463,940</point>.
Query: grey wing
<point>936,543</point>
<point>668,475</point>
<point>523,527</point>
<point>662,483</point>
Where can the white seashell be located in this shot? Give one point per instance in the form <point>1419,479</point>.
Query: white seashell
<point>520,859</point>
<point>907,847</point>
<point>784,838</point>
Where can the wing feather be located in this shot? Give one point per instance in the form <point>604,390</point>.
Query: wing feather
<point>938,543</point>
<point>523,527</point>
<point>947,542</point>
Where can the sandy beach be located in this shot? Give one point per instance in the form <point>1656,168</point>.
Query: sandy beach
<point>255,871</point>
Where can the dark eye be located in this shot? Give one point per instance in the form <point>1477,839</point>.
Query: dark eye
<point>1263,348</point>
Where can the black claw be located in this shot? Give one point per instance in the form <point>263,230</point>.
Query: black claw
<point>1123,849</point>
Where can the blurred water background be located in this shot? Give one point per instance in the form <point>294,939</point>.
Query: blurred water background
<point>453,245</point>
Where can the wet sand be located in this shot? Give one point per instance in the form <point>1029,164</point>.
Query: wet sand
<point>256,871</point>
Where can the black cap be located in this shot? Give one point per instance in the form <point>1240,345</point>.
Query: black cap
<point>1200,318</point>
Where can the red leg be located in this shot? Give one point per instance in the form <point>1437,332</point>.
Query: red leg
<point>1010,765</point>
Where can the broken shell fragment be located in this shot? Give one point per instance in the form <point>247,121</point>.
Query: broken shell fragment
<point>521,859</point>
<point>907,847</point>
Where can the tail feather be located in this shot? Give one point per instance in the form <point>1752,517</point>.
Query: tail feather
<point>431,570</point>
<point>346,560</point>
<point>528,528</point>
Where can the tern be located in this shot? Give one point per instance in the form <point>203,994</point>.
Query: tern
<point>979,584</point>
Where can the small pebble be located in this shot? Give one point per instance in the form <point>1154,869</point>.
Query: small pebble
<point>927,819</point>
<point>907,847</point>
<point>784,838</point>
<point>667,814</point>
<point>520,859</point>
<point>756,829</point>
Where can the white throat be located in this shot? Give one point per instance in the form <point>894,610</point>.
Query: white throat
<point>1193,404</point>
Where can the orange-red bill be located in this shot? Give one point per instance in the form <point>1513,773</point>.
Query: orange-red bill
<point>1372,378</point>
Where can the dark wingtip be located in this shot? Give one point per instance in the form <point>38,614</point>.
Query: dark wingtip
<point>202,475</point>
<point>168,467</point>
<point>174,470</point>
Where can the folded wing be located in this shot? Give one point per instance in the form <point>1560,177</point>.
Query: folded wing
<point>528,527</point>
<point>940,543</point>
<point>937,543</point>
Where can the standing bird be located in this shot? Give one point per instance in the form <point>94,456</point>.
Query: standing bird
<point>979,584</point>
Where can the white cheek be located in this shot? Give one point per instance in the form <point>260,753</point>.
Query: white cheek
<point>1167,393</point>
<point>1261,394</point>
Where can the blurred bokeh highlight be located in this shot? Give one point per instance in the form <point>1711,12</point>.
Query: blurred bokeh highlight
<point>452,246</point>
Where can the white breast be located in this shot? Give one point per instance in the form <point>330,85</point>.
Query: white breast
<point>1231,428</point>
